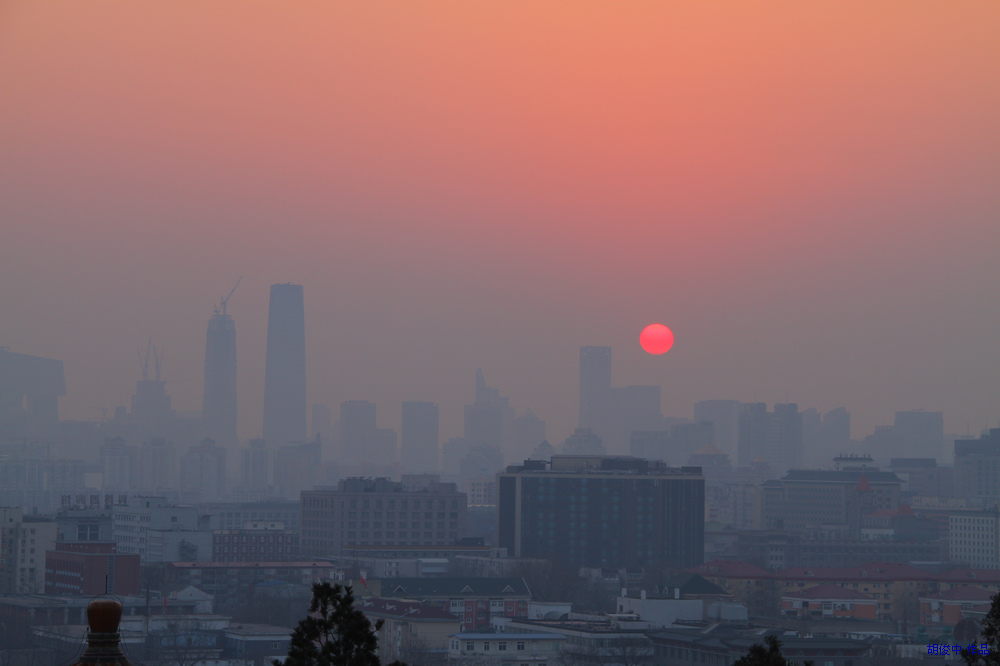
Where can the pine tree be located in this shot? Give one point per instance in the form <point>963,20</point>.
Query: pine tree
<point>766,656</point>
<point>335,633</point>
<point>989,633</point>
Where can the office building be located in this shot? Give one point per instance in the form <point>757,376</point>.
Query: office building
<point>828,500</point>
<point>419,437</point>
<point>374,512</point>
<point>285,367</point>
<point>974,539</point>
<point>602,511</point>
<point>30,387</point>
<point>218,407</point>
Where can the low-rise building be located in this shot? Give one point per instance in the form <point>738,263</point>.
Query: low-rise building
<point>412,632</point>
<point>256,542</point>
<point>506,649</point>
<point>91,568</point>
<point>948,607</point>
<point>473,600</point>
<point>829,602</point>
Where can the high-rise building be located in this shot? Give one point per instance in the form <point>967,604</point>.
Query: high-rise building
<point>218,406</point>
<point>285,367</point>
<point>603,511</point>
<point>772,436</point>
<point>203,471</point>
<point>322,423</point>
<point>724,415</point>
<point>419,437</point>
<point>490,419</point>
<point>595,387</point>
<point>921,433</point>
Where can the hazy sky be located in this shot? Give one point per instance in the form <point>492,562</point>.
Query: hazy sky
<point>807,193</point>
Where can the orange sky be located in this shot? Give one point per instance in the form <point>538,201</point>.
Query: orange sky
<point>806,193</point>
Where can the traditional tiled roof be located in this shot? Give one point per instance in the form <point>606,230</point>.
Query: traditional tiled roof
<point>964,593</point>
<point>729,569</point>
<point>828,591</point>
<point>419,588</point>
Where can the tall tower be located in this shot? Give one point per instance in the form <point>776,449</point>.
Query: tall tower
<point>595,388</point>
<point>218,405</point>
<point>419,437</point>
<point>285,367</point>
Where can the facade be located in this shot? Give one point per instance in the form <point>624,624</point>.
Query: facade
<point>595,387</point>
<point>380,512</point>
<point>232,583</point>
<point>602,511</point>
<point>828,602</point>
<point>419,437</point>
<point>90,569</point>
<point>474,601</point>
<point>724,415</point>
<point>506,649</point>
<point>775,436</point>
<point>974,539</point>
<point>234,515</point>
<point>723,645</point>
<point>946,608</point>
<point>132,523</point>
<point>593,640</point>
<point>977,467</point>
<point>218,407</point>
<point>285,367</point>
<point>24,541</point>
<point>203,471</point>
<point>256,542</point>
<point>810,499</point>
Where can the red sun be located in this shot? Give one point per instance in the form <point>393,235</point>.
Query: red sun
<point>656,339</point>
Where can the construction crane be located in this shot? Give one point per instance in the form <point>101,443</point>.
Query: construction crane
<point>221,309</point>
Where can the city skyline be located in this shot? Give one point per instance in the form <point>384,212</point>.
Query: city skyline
<point>807,199</point>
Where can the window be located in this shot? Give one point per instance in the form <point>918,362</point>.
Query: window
<point>470,646</point>
<point>502,646</point>
<point>486,646</point>
<point>520,646</point>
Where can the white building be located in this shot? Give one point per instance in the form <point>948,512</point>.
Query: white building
<point>974,539</point>
<point>505,649</point>
<point>132,525</point>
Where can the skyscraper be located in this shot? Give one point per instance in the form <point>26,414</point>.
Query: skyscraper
<point>218,406</point>
<point>285,367</point>
<point>595,387</point>
<point>419,437</point>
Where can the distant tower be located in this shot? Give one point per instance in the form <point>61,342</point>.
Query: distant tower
<point>218,406</point>
<point>595,387</point>
<point>285,367</point>
<point>419,437</point>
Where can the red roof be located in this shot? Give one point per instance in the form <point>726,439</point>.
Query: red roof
<point>871,571</point>
<point>730,569</point>
<point>863,485</point>
<point>828,591</point>
<point>973,575</point>
<point>964,593</point>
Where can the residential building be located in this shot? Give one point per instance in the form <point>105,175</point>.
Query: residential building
<point>602,511</point>
<point>24,541</point>
<point>948,607</point>
<point>977,467</point>
<point>412,632</point>
<point>506,649</point>
<point>828,602</point>
<point>419,437</point>
<point>473,600</point>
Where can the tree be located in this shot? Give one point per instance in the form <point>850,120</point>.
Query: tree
<point>335,633</point>
<point>766,656</point>
<point>989,632</point>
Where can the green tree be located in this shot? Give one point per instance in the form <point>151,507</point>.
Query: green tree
<point>335,633</point>
<point>989,633</point>
<point>766,656</point>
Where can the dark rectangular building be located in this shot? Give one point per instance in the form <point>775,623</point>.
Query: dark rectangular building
<point>603,511</point>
